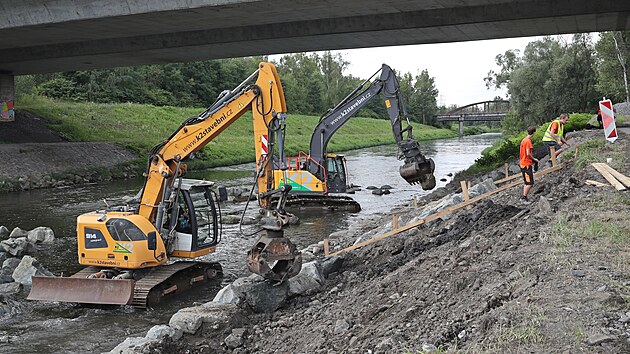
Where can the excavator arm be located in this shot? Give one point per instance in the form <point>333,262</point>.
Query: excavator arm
<point>416,169</point>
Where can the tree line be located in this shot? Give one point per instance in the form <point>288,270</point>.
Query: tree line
<point>551,76</point>
<point>554,75</point>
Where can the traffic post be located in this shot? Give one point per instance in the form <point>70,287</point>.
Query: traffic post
<point>608,118</point>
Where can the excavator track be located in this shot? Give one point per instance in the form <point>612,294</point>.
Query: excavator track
<point>323,202</point>
<point>151,286</point>
<point>171,279</point>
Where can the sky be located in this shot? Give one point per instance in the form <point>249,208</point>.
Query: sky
<point>458,68</point>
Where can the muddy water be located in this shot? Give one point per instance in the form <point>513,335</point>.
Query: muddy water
<point>69,328</point>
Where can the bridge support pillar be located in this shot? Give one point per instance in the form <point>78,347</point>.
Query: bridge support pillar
<point>7,97</point>
<point>461,127</point>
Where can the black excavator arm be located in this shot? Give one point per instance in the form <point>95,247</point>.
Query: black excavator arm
<point>416,169</point>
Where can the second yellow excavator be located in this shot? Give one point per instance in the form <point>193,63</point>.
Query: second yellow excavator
<point>130,250</point>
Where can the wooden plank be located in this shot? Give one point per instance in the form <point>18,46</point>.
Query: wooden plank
<point>326,248</point>
<point>618,175</point>
<point>596,183</point>
<point>609,177</point>
<point>507,179</point>
<point>443,212</point>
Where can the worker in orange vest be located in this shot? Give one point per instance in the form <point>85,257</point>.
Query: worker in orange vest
<point>527,161</point>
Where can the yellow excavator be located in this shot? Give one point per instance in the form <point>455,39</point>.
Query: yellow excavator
<point>315,175</point>
<point>130,251</point>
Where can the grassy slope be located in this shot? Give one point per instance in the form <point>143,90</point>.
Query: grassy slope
<point>139,127</point>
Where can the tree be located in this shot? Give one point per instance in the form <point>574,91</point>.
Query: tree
<point>550,78</point>
<point>613,49</point>
<point>424,98</point>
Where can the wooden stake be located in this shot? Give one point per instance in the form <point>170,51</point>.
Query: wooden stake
<point>326,248</point>
<point>465,193</point>
<point>552,156</point>
<point>507,170</point>
<point>395,222</point>
<point>415,202</point>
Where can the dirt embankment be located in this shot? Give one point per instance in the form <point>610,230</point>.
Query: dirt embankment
<point>34,156</point>
<point>503,277</point>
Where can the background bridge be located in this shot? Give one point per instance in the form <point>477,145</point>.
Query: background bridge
<point>486,111</point>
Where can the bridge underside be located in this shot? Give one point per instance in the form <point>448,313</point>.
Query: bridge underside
<point>48,36</point>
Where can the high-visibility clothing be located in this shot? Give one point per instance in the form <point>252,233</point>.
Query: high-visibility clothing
<point>548,137</point>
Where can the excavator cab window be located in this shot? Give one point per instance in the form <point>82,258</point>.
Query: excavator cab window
<point>206,216</point>
<point>124,230</point>
<point>336,174</point>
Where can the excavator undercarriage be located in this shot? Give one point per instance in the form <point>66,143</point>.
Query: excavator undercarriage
<point>144,288</point>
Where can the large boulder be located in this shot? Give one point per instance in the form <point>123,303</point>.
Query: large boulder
<point>41,235</point>
<point>211,317</point>
<point>4,232</point>
<point>17,233</point>
<point>16,247</point>
<point>9,290</point>
<point>27,268</point>
<point>308,281</point>
<point>134,345</point>
<point>9,265</point>
<point>163,331</point>
<point>254,291</point>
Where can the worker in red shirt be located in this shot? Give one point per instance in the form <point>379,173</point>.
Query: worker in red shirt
<point>527,159</point>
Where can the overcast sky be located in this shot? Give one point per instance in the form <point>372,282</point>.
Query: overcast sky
<point>458,68</point>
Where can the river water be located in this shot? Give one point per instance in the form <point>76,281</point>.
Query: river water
<point>71,328</point>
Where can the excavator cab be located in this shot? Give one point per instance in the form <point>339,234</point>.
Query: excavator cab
<point>336,173</point>
<point>194,222</point>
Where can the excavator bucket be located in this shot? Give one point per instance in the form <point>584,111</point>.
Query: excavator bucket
<point>419,171</point>
<point>82,290</point>
<point>274,257</point>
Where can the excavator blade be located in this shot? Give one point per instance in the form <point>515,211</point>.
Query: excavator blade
<point>416,171</point>
<point>82,290</point>
<point>274,257</point>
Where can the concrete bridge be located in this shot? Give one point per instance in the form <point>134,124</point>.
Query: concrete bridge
<point>486,111</point>
<point>39,36</point>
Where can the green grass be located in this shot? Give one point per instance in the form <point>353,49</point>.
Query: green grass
<point>520,335</point>
<point>508,148</point>
<point>140,127</point>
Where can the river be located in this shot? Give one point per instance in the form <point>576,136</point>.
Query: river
<point>71,328</point>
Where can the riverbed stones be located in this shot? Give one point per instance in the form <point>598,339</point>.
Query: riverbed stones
<point>236,338</point>
<point>9,289</point>
<point>17,233</point>
<point>16,247</point>
<point>28,268</point>
<point>41,235</point>
<point>163,331</point>
<point>4,232</point>
<point>9,265</point>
